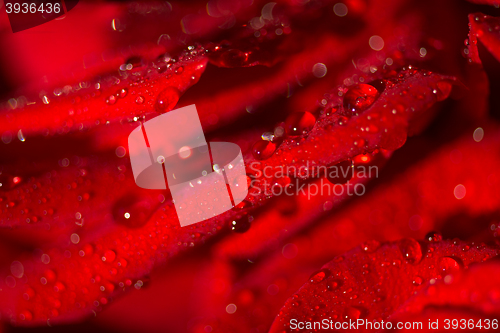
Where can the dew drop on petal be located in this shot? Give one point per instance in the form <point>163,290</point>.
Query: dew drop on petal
<point>442,90</point>
<point>167,99</point>
<point>109,256</point>
<point>393,139</point>
<point>26,315</point>
<point>352,313</point>
<point>319,276</point>
<point>360,97</point>
<point>334,284</point>
<point>134,62</point>
<point>263,149</point>
<point>411,250</point>
<point>433,237</point>
<point>123,92</point>
<point>448,265</point>
<point>299,122</point>
<point>132,211</point>
<point>241,225</point>
<point>111,100</point>
<point>232,58</point>
<point>49,276</point>
<point>140,99</point>
<point>370,246</point>
<point>417,281</point>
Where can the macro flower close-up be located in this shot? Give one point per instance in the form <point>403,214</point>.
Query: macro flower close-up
<point>247,166</point>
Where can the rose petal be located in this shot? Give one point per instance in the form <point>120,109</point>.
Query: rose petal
<point>372,282</point>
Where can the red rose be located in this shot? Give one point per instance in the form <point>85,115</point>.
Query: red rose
<point>369,134</point>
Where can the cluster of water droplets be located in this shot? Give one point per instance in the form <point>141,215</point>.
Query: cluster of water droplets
<point>139,71</point>
<point>329,288</point>
<point>262,35</point>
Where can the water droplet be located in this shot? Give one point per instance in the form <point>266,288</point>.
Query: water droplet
<point>179,70</point>
<point>352,313</point>
<point>267,136</point>
<point>417,281</point>
<point>319,276</point>
<point>263,149</point>
<point>111,100</point>
<point>26,315</point>
<point>133,211</point>
<point>241,225</point>
<point>59,287</point>
<point>134,62</point>
<point>334,284</point>
<point>360,97</point>
<point>393,139</point>
<point>338,259</point>
<point>8,182</point>
<point>340,173</point>
<point>448,265</point>
<point>442,90</point>
<point>299,123</point>
<point>167,99</point>
<point>140,99</point>
<point>49,276</point>
<point>123,92</point>
<point>360,143</point>
<point>109,256</point>
<point>433,237</point>
<point>233,58</point>
<point>342,121</point>
<point>370,246</point>
<point>411,250</point>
